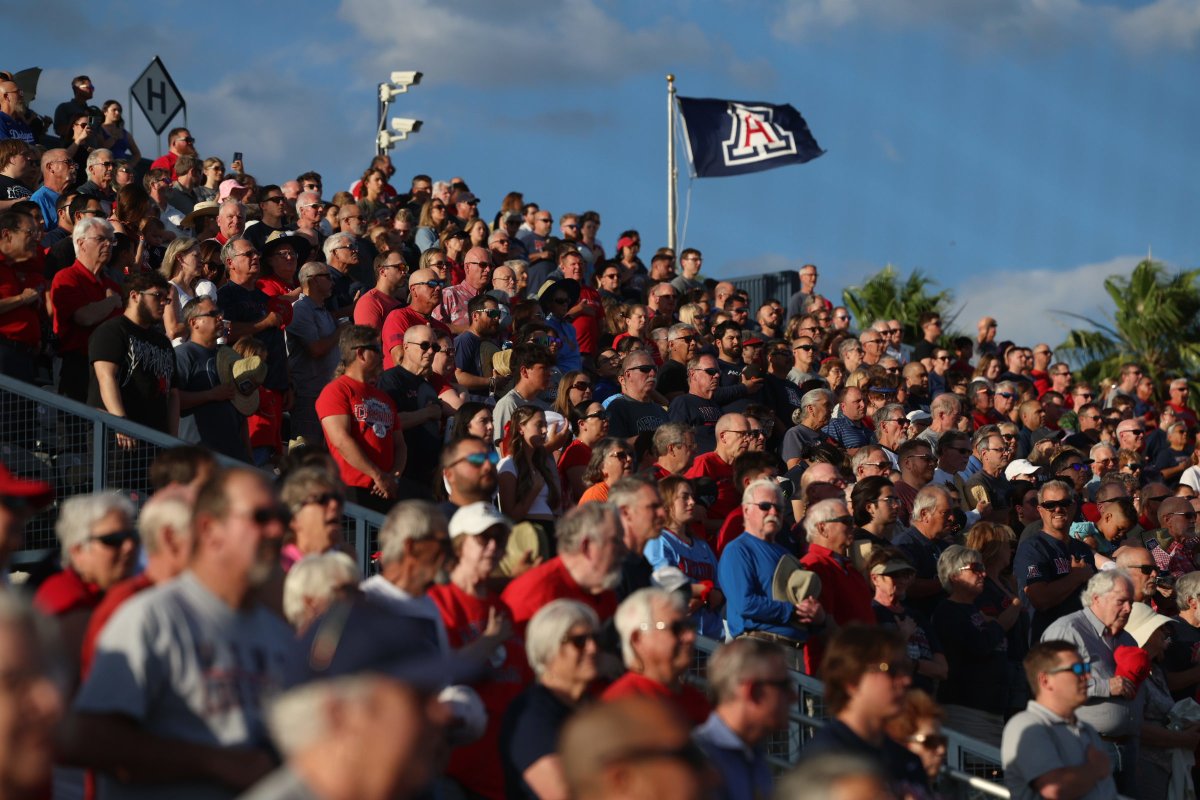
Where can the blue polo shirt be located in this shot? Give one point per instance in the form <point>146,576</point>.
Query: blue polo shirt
<point>744,770</point>
<point>1041,559</point>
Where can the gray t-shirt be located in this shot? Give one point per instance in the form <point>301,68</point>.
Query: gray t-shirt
<point>310,322</point>
<point>1037,741</point>
<point>184,665</point>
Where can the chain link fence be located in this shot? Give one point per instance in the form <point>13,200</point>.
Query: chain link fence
<point>47,437</point>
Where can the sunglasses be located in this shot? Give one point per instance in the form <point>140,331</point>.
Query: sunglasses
<point>897,669</point>
<point>1057,505</point>
<point>479,459</point>
<point>978,569</point>
<point>622,455</point>
<point>430,284</point>
<point>929,741</point>
<point>1080,668</point>
<point>766,506</point>
<point>579,640</point>
<point>845,519</point>
<point>1188,515</point>
<point>644,368</point>
<point>265,516</point>
<point>597,415</point>
<point>688,339</point>
<point>1145,569</point>
<point>426,346</point>
<point>710,371</point>
<point>116,538</point>
<point>325,499</point>
<point>677,628</point>
<point>1073,468</point>
<point>581,386</point>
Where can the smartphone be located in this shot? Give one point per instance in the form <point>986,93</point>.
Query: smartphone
<point>237,157</point>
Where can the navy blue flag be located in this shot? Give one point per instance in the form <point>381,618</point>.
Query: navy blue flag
<point>730,137</point>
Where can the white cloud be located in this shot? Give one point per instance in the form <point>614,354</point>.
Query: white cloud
<point>1027,304</point>
<point>1036,24</point>
<point>540,42</point>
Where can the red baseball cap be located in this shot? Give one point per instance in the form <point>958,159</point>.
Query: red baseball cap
<point>39,493</point>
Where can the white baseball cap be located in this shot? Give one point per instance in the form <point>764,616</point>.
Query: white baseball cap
<point>475,518</point>
<point>1020,466</point>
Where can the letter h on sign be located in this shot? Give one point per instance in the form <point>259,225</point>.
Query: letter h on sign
<point>157,95</point>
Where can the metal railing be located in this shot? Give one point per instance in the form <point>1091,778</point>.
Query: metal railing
<point>973,768</point>
<point>46,436</point>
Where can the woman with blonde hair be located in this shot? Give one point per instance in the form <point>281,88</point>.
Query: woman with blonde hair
<point>430,224</point>
<point>183,266</point>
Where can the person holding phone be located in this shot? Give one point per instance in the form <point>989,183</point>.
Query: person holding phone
<point>113,135</point>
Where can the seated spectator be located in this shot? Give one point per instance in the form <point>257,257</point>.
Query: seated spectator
<point>890,574</point>
<point>611,460</point>
<point>845,593</point>
<point>874,502</point>
<point>919,728</point>
<point>560,642</point>
<point>590,424</point>
<point>315,501</point>
<point>656,642</point>
<point>732,439</point>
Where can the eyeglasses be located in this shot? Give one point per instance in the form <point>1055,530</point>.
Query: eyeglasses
<point>768,506</point>
<point>645,369</point>
<point>597,415</point>
<point>426,346</point>
<point>845,519</point>
<point>214,314</point>
<point>580,640</point>
<point>903,422</point>
<point>1073,468</point>
<point>1080,668</point>
<point>581,386</point>
<point>269,514</point>
<point>1132,466</point>
<point>929,741</point>
<point>97,239</point>
<point>251,254</point>
<point>116,538</point>
<point>478,264</point>
<point>921,456</point>
<point>325,498</point>
<point>430,284</point>
<point>621,455</point>
<point>1057,505</point>
<point>978,569</point>
<point>1188,515</point>
<point>677,627</point>
<point>1133,433</point>
<point>896,669</point>
<point>479,459</point>
<point>687,339</point>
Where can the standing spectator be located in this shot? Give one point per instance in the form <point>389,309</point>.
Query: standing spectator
<point>415,398</point>
<point>82,298</point>
<point>58,174</point>
<point>587,567</point>
<point>656,641</point>
<point>174,703</point>
<point>454,310</point>
<point>424,295</point>
<point>1050,566</point>
<point>641,510</point>
<point>560,642</point>
<point>732,439</point>
<point>753,693</point>
<point>312,338</point>
<point>204,401</point>
<point>483,325</point>
<point>633,411</point>
<point>696,407</point>
<point>342,256</point>
<point>845,593</point>
<point>890,575</point>
<point>528,482</point>
<point>924,542</point>
<point>848,429</point>
<point>180,143</point>
<point>133,364</point>
<point>249,312</point>
<point>359,422</point>
<point>867,675</point>
<point>469,470</point>
<point>919,728</point>
<point>975,693</point>
<point>746,572</point>
<point>1047,750</point>
<point>231,221</point>
<point>377,302</point>
<point>678,548</point>
<point>99,544</point>
<point>610,460</point>
<point>314,502</point>
<point>22,296</point>
<point>531,365</point>
<point>12,112</point>
<point>1115,703</point>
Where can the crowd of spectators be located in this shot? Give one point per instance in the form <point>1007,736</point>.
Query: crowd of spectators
<point>585,460</point>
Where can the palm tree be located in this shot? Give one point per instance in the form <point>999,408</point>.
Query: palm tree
<point>884,296</point>
<point>1156,324</point>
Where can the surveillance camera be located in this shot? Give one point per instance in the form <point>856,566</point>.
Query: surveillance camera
<point>406,125</point>
<point>408,78</point>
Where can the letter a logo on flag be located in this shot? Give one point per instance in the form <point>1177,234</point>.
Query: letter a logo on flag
<point>728,137</point>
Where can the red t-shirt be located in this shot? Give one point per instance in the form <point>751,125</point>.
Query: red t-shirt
<point>711,465</point>
<point>266,424</point>
<point>113,599</point>
<point>587,328</point>
<point>400,320</point>
<point>577,454</point>
<point>373,308</point>
<point>689,700</point>
<point>24,323</point>
<point>372,425</point>
<point>845,596</point>
<point>65,591</point>
<point>551,581</point>
<point>72,289</point>
<point>735,526</point>
<point>477,765</point>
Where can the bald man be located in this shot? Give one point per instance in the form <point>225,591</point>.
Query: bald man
<point>985,341</point>
<point>732,439</point>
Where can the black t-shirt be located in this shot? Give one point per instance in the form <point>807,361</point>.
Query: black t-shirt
<point>976,650</point>
<point>1182,653</point>
<point>13,189</point>
<point>902,767</point>
<point>250,305</point>
<point>923,349</point>
<point>145,369</point>
<point>731,373</point>
<point>256,234</point>
<point>924,643</point>
<point>221,425</point>
<point>672,378</point>
<point>528,733</point>
<point>700,415</point>
<point>411,393</point>
<point>627,417</point>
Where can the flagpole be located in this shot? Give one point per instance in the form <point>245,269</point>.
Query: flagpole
<point>672,170</point>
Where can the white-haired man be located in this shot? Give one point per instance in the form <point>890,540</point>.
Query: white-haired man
<point>657,638</point>
<point>174,703</point>
<point>341,254</point>
<point>746,572</point>
<point>1115,704</point>
<point>845,593</point>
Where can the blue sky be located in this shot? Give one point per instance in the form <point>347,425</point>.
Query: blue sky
<point>1050,142</point>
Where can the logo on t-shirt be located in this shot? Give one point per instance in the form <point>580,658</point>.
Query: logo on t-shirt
<point>376,414</point>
